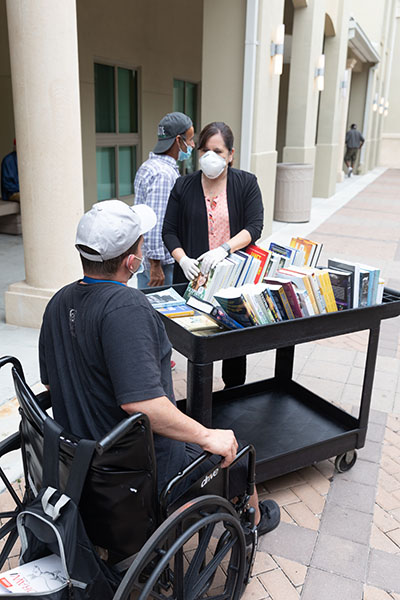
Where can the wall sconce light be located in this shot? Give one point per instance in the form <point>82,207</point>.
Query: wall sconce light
<point>277,50</point>
<point>375,103</point>
<point>320,73</point>
<point>386,109</point>
<point>381,106</point>
<point>344,84</point>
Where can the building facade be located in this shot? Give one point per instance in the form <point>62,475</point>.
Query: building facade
<point>85,82</point>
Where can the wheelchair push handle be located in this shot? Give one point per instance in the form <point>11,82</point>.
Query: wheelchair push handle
<point>4,360</point>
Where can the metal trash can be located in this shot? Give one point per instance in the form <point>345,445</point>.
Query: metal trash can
<point>293,192</point>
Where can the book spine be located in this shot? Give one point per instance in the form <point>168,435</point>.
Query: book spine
<point>317,294</point>
<point>237,310</point>
<point>250,310</point>
<point>272,306</point>
<point>286,304</point>
<point>292,299</point>
<point>301,294</point>
<point>260,307</point>
<point>270,316</point>
<point>221,317</point>
<point>377,273</point>
<point>329,303</point>
<point>329,292</point>
<point>279,304</point>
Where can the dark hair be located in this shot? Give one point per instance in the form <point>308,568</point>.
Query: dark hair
<point>214,128</point>
<point>354,126</point>
<point>106,267</point>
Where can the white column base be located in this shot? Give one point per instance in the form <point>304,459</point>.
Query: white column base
<point>25,304</point>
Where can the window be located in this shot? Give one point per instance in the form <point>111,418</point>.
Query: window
<point>185,100</point>
<point>117,130</point>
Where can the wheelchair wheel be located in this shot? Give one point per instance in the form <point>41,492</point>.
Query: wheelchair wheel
<point>10,506</point>
<point>198,552</point>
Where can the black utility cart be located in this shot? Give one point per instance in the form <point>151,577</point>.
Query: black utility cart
<point>290,426</point>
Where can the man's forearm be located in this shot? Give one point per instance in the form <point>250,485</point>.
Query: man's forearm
<point>167,420</point>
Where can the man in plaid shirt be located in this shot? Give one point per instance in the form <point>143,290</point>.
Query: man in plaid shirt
<point>153,184</point>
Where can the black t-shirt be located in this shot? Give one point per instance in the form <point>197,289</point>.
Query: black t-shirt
<point>103,345</point>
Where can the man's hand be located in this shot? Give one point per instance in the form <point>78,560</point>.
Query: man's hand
<point>222,442</point>
<point>157,276</point>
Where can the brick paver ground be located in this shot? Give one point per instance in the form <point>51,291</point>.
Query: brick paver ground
<point>339,537</point>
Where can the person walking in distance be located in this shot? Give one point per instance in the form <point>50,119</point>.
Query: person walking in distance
<point>354,141</point>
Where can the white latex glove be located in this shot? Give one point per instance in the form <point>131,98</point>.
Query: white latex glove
<point>211,258</point>
<point>189,267</point>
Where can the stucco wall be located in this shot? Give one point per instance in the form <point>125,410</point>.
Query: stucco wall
<point>6,102</point>
<point>162,39</point>
<point>390,144</point>
<point>370,16</point>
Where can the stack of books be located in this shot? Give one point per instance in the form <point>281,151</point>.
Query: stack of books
<point>198,316</point>
<point>259,286</point>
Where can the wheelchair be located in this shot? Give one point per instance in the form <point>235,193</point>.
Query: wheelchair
<point>185,548</point>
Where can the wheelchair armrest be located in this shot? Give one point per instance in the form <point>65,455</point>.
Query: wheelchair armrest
<point>10,443</point>
<point>248,449</point>
<point>120,430</point>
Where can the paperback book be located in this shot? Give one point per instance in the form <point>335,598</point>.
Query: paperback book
<point>38,576</point>
<point>214,312</point>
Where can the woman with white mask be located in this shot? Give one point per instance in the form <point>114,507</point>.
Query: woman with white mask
<point>212,213</point>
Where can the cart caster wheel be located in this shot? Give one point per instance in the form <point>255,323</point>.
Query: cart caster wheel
<point>345,461</point>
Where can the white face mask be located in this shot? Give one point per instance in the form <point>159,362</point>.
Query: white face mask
<point>212,164</point>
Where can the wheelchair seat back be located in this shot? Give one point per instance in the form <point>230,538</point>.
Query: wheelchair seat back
<point>119,502</point>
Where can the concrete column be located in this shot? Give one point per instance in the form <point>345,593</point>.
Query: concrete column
<point>266,100</point>
<point>342,125</point>
<point>386,66</point>
<point>222,65</point>
<point>367,124</point>
<point>331,104</point>
<point>307,39</point>
<point>44,70</point>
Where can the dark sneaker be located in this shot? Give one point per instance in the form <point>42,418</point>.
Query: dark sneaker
<point>270,519</point>
<point>270,516</point>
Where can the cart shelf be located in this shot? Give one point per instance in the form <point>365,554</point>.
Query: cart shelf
<point>290,426</point>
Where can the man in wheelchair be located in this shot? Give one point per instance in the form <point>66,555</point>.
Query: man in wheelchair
<point>104,354</point>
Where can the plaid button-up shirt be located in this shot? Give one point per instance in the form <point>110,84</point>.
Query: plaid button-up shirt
<point>153,183</point>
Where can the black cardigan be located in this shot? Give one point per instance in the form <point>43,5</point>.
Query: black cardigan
<point>185,223</point>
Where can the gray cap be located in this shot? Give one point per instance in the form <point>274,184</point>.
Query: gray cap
<point>111,227</point>
<point>169,127</point>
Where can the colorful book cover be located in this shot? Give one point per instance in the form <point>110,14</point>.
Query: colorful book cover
<point>275,291</point>
<point>326,289</point>
<point>199,322</point>
<point>263,256</point>
<point>169,297</point>
<point>199,285</point>
<point>232,302</point>
<point>215,312</point>
<point>39,576</point>
<point>344,265</point>
<point>290,293</point>
<point>341,282</point>
<point>365,284</point>
<point>173,312</point>
<point>272,305</point>
<point>373,282</point>
<point>303,281</point>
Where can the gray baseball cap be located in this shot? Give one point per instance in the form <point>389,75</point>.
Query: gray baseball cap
<point>111,227</point>
<point>169,127</point>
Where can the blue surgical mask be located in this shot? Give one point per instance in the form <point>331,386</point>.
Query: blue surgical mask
<point>140,269</point>
<point>185,155</point>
